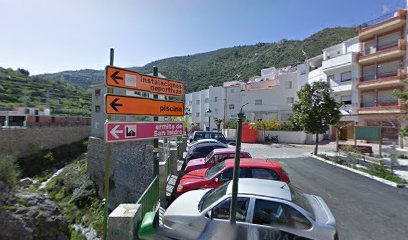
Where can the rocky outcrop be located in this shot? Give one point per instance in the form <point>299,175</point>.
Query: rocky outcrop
<point>27,215</point>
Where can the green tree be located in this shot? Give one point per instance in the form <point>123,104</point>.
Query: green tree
<point>316,109</point>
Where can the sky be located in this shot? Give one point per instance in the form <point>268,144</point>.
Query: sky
<point>47,36</point>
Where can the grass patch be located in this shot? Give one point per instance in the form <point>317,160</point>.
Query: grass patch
<point>402,156</point>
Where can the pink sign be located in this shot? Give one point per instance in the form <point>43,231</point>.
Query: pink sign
<point>133,131</point>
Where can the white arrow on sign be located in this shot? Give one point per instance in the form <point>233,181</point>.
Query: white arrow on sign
<point>115,130</point>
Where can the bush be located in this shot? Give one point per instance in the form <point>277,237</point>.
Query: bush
<point>9,170</point>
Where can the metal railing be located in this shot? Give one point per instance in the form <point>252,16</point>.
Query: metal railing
<point>378,20</point>
<point>150,198</point>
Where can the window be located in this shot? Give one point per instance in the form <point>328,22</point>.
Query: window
<point>97,92</point>
<point>37,119</point>
<point>346,100</point>
<point>197,101</point>
<point>285,116</point>
<point>387,98</point>
<point>215,99</point>
<point>145,94</point>
<point>258,102</point>
<point>330,78</point>
<point>27,111</point>
<point>263,173</point>
<point>369,73</point>
<point>222,210</point>
<point>35,112</point>
<point>346,76</point>
<point>231,106</point>
<point>368,99</point>
<point>206,100</point>
<point>288,84</point>
<point>271,213</point>
<point>227,174</point>
<point>289,100</point>
<point>232,90</point>
<point>197,114</point>
<point>97,108</point>
<point>388,69</point>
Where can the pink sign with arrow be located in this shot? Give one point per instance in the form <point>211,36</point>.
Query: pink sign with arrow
<point>133,131</point>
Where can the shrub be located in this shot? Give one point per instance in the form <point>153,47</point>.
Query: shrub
<point>9,170</point>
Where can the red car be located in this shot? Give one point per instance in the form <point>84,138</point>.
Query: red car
<point>214,157</point>
<point>215,176</point>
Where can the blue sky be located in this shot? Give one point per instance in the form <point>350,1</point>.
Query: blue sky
<point>54,35</point>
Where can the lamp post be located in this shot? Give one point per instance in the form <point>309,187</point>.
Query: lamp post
<point>209,119</point>
<point>234,195</point>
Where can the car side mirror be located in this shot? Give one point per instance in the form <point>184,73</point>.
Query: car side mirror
<point>216,180</point>
<point>191,140</point>
<point>208,214</point>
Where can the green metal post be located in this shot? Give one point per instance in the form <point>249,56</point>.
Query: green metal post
<point>107,164</point>
<point>234,196</point>
<point>155,141</point>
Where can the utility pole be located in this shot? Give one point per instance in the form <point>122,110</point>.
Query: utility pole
<point>234,196</point>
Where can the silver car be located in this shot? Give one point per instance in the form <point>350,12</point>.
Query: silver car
<point>266,209</point>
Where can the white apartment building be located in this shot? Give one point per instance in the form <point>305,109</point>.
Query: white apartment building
<point>198,104</point>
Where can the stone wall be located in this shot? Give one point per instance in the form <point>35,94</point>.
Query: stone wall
<point>20,142</point>
<point>131,169</point>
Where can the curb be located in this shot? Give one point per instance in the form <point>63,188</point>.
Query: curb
<point>378,179</point>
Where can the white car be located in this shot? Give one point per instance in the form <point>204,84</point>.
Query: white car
<point>203,141</point>
<point>266,209</point>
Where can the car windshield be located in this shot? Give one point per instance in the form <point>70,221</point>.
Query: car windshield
<point>212,196</point>
<point>214,170</point>
<point>300,199</point>
<point>209,156</point>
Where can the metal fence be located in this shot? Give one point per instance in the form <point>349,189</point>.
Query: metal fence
<point>150,198</point>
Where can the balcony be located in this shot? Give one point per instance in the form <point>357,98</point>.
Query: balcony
<point>383,24</point>
<point>391,79</point>
<point>382,108</point>
<point>384,52</point>
<point>339,61</point>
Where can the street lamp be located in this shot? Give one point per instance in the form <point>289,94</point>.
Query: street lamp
<point>234,194</point>
<point>209,121</point>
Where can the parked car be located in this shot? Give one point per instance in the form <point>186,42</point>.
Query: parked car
<point>202,141</point>
<point>266,209</point>
<point>197,135</point>
<point>223,171</point>
<point>202,150</point>
<point>214,157</point>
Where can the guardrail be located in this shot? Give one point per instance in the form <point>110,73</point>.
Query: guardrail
<point>150,198</point>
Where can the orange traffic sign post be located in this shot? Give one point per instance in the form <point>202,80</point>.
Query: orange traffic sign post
<point>127,105</point>
<point>122,78</point>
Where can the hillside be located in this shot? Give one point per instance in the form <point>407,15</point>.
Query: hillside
<point>199,71</point>
<point>18,89</point>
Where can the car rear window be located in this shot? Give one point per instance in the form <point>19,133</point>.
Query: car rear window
<point>300,199</point>
<point>214,170</point>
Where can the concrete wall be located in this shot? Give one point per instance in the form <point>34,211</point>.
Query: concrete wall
<point>131,169</point>
<point>20,142</point>
<point>298,137</point>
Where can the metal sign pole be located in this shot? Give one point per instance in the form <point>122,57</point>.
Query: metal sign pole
<point>155,141</point>
<point>234,196</point>
<point>107,164</point>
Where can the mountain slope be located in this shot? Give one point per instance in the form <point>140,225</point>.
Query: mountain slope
<point>17,89</point>
<point>198,71</point>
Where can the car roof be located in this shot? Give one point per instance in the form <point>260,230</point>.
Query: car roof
<point>262,187</point>
<point>205,140</point>
<point>207,132</point>
<point>254,162</point>
<point>207,145</point>
<point>226,150</point>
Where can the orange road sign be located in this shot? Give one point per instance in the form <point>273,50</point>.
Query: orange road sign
<point>127,105</point>
<point>122,78</point>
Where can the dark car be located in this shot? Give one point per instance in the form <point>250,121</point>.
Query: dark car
<point>202,150</point>
<point>211,135</point>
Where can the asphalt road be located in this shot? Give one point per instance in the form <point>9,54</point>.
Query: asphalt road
<point>364,209</point>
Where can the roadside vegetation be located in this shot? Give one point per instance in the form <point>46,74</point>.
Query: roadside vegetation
<point>9,171</point>
<point>357,162</point>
